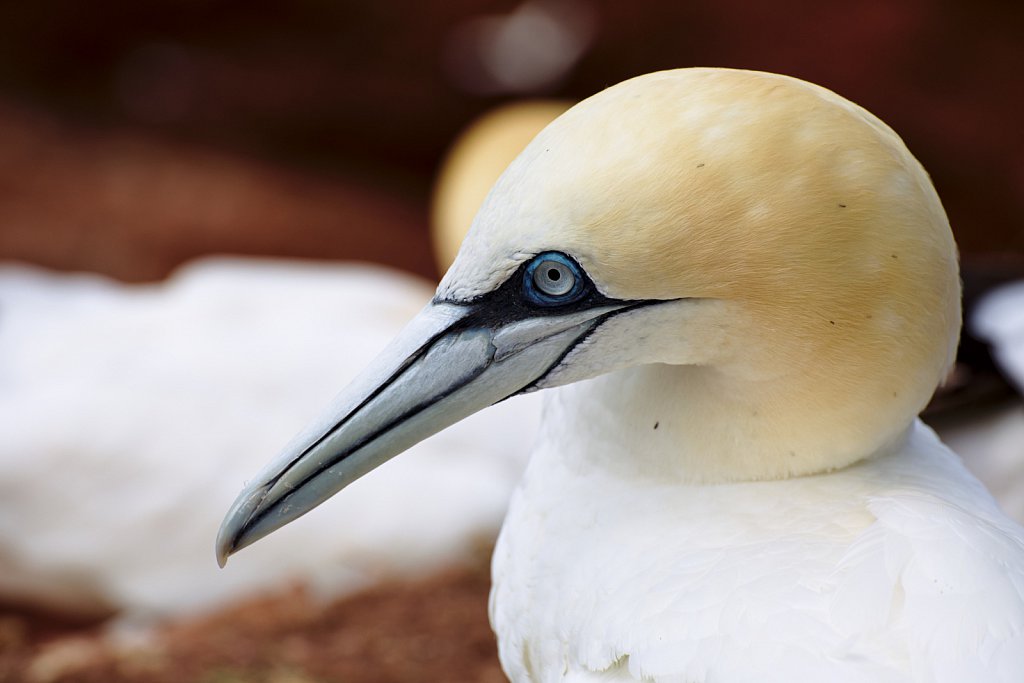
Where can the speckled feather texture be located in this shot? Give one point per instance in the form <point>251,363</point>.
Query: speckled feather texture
<point>897,569</point>
<point>801,215</point>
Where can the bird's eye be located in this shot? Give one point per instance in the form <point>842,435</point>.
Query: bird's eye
<point>553,279</point>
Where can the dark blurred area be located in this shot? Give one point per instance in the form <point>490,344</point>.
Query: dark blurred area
<point>134,136</point>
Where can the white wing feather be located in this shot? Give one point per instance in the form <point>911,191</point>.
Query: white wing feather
<point>900,569</point>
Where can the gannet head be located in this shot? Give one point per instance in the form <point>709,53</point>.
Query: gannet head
<point>752,243</point>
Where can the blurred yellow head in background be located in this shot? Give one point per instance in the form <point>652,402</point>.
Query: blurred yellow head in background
<point>474,162</point>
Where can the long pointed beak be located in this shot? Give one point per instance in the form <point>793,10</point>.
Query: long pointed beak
<point>449,362</point>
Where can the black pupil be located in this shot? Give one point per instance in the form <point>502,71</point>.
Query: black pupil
<point>554,275</point>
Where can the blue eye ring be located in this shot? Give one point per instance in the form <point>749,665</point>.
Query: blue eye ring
<point>553,279</point>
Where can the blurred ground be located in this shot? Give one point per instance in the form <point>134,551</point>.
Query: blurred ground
<point>423,631</point>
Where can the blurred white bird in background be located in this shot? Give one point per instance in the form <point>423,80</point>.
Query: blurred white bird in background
<point>1000,319</point>
<point>132,413</point>
<point>991,439</point>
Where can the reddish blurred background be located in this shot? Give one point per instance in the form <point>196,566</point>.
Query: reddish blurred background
<point>137,135</point>
<point>134,136</point>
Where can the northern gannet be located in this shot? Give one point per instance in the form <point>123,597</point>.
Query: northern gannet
<point>744,288</point>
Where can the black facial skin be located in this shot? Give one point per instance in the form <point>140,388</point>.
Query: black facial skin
<point>509,303</point>
<point>512,302</point>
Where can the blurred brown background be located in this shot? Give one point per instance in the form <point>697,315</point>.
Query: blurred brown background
<point>137,135</point>
<point>134,136</point>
